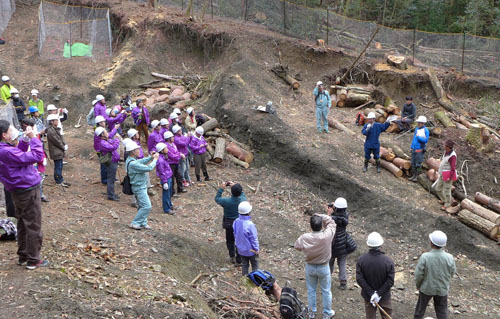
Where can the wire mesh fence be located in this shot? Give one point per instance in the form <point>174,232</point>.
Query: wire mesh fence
<point>471,54</point>
<point>7,8</point>
<point>67,31</point>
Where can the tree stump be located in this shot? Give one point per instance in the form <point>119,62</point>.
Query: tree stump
<point>397,61</point>
<point>220,149</point>
<point>479,137</point>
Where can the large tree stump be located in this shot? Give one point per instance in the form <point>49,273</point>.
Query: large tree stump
<point>220,149</point>
<point>210,124</point>
<point>239,153</point>
<point>396,171</point>
<point>491,203</point>
<point>481,211</point>
<point>479,137</point>
<point>397,61</point>
<point>444,119</point>
<point>401,163</point>
<point>477,222</point>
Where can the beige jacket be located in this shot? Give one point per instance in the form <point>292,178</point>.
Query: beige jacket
<point>317,245</point>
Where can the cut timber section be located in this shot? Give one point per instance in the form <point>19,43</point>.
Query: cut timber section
<point>481,211</point>
<point>397,61</point>
<point>443,99</point>
<point>491,203</point>
<point>220,149</point>
<point>396,171</point>
<point>477,222</point>
<point>444,119</point>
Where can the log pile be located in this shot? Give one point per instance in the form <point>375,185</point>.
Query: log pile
<point>352,96</point>
<point>224,147</point>
<point>474,221</point>
<point>283,72</point>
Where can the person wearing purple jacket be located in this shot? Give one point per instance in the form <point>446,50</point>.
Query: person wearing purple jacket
<point>155,137</point>
<point>140,114</point>
<point>116,118</point>
<point>100,107</point>
<point>198,145</point>
<point>164,172</point>
<point>164,126</point>
<point>21,179</point>
<point>174,158</point>
<point>182,143</point>
<point>100,122</point>
<point>109,144</point>
<point>246,237</point>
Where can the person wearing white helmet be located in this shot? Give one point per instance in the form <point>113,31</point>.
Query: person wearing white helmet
<point>57,148</point>
<point>108,146</point>
<point>173,119</point>
<point>140,114</point>
<point>323,104</point>
<point>62,113</point>
<point>375,275</point>
<point>246,238</point>
<point>91,118</point>
<point>343,244</point>
<point>137,169</point>
<point>418,144</point>
<point>174,158</point>
<point>133,134</point>
<point>155,137</point>
<point>317,248</point>
<point>37,102</point>
<point>372,131</point>
<point>100,107</point>
<point>408,114</point>
<point>432,277</point>
<point>190,121</point>
<point>18,104</point>
<point>164,172</point>
<point>164,123</point>
<point>5,89</point>
<point>198,145</point>
<point>447,175</point>
<point>182,143</point>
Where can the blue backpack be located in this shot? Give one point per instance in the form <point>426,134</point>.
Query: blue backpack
<point>262,278</point>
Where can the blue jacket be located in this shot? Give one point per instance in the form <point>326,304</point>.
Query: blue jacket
<point>137,171</point>
<point>322,100</point>
<point>372,134</point>
<point>230,204</point>
<point>418,142</point>
<point>245,234</point>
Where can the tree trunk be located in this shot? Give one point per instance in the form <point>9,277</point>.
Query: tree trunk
<point>387,154</point>
<point>356,99</point>
<point>397,150</point>
<point>432,175</point>
<point>491,203</point>
<point>239,152</point>
<point>484,226</point>
<point>440,93</point>
<point>401,163</point>
<point>210,124</point>
<point>204,10</point>
<point>336,124</point>
<point>396,171</point>
<point>433,163</point>
<point>174,99</point>
<point>464,121</point>
<point>189,8</point>
<point>220,149</point>
<point>426,183</point>
<point>397,61</point>
<point>436,131</point>
<point>237,161</point>
<point>481,211</point>
<point>282,72</point>
<point>444,119</point>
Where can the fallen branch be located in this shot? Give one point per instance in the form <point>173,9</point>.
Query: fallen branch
<point>360,55</point>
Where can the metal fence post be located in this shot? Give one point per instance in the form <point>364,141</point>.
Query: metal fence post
<point>70,42</point>
<point>463,53</point>
<point>284,17</point>
<point>246,9</point>
<point>414,36</point>
<point>212,8</point>
<point>327,23</point>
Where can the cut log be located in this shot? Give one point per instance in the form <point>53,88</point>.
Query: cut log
<point>444,119</point>
<point>186,96</point>
<point>432,175</point>
<point>396,171</point>
<point>460,126</point>
<point>239,153</point>
<point>337,125</point>
<point>426,183</point>
<point>397,150</point>
<point>458,195</point>
<point>436,131</point>
<point>387,154</point>
<point>177,92</point>
<point>491,203</point>
<point>237,161</point>
<point>477,222</point>
<point>282,72</point>
<point>481,211</point>
<point>164,91</point>
<point>210,151</point>
<point>393,128</point>
<point>433,163</point>
<point>356,99</point>
<point>453,210</point>
<point>210,124</point>
<point>340,103</point>
<point>220,149</point>
<point>463,121</point>
<point>397,61</point>
<point>443,99</point>
<point>174,99</point>
<point>343,94</point>
<point>401,163</point>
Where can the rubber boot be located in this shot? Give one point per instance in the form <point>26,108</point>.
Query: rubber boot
<point>205,174</point>
<point>198,178</point>
<point>365,168</point>
<point>418,171</point>
<point>413,177</point>
<point>378,165</point>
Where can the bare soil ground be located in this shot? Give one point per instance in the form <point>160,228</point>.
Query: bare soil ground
<point>102,269</point>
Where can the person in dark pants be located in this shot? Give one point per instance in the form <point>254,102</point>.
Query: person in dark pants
<point>230,206</point>
<point>198,145</point>
<point>432,277</point>
<point>100,122</point>
<point>110,144</point>
<point>372,131</point>
<point>246,238</point>
<point>375,276</point>
<point>57,148</point>
<point>408,115</point>
<point>18,104</point>
<point>174,157</point>
<point>20,177</point>
<point>418,144</point>
<point>9,204</point>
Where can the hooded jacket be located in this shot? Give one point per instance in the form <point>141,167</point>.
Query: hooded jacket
<point>173,154</point>
<point>196,143</point>
<point>182,143</point>
<point>419,142</point>
<point>339,245</point>
<point>373,133</point>
<point>163,170</point>
<point>110,145</point>
<point>245,234</point>
<point>137,170</point>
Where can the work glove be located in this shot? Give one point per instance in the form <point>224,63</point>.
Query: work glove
<point>44,162</point>
<point>374,300</point>
<point>65,147</point>
<point>65,110</point>
<point>165,186</point>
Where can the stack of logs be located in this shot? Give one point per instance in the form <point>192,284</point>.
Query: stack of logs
<point>395,160</point>
<point>351,96</point>
<point>175,95</point>
<point>383,112</point>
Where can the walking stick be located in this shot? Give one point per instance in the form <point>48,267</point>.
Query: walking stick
<point>383,311</point>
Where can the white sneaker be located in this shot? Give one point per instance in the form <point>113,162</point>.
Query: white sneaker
<point>329,316</point>
<point>136,227</point>
<point>312,315</point>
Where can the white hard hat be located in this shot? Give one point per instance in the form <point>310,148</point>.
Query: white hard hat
<point>5,78</point>
<point>131,146</point>
<point>244,208</point>
<point>34,92</point>
<point>189,110</point>
<point>319,83</point>
<point>167,135</point>
<point>51,107</point>
<point>94,102</point>
<point>155,123</point>
<point>99,130</point>
<point>173,116</point>
<point>374,240</point>
<point>340,203</point>
<point>200,130</point>
<point>131,133</point>
<point>52,117</point>
<point>177,111</point>
<point>99,119</point>
<point>163,121</point>
<point>160,147</point>
<point>99,97</point>
<point>371,115</point>
<point>14,91</point>
<point>438,238</point>
<point>176,129</point>
<point>108,111</point>
<point>421,119</point>
<point>126,141</point>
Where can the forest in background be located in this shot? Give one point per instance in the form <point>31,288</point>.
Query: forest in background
<point>476,17</point>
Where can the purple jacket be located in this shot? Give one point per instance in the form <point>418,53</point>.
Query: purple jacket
<point>182,143</point>
<point>141,152</point>
<point>196,145</point>
<point>163,170</point>
<point>97,142</point>
<point>116,120</point>
<point>173,154</point>
<point>100,109</point>
<point>245,234</point>
<point>110,145</point>
<point>154,138</point>
<point>17,169</point>
<point>136,115</point>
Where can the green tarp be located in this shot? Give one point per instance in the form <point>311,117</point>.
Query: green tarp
<point>77,49</point>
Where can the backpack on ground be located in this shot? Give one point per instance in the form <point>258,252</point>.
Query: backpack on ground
<point>262,278</point>
<point>290,305</point>
<point>126,186</point>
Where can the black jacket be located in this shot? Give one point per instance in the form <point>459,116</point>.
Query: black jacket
<point>409,111</point>
<point>375,272</point>
<point>339,246</point>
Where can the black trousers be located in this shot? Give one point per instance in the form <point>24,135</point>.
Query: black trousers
<point>440,306</point>
<point>177,178</point>
<point>9,204</point>
<point>230,243</point>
